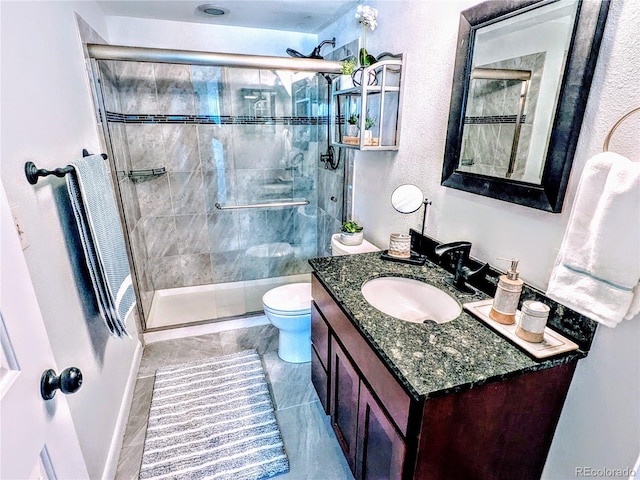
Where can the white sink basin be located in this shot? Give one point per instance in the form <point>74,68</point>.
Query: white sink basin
<point>411,300</point>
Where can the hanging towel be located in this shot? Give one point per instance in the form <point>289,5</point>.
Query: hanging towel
<point>597,272</point>
<point>96,214</point>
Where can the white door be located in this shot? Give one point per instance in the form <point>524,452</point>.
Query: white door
<point>37,437</point>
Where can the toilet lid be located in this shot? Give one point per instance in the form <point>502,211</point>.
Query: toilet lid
<point>292,299</point>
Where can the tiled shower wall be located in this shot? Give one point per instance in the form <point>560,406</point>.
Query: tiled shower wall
<point>225,135</point>
<point>331,182</point>
<point>330,188</point>
<point>491,115</point>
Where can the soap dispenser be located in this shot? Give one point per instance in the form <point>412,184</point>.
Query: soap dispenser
<point>507,296</point>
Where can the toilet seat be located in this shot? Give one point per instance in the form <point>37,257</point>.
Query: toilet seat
<point>292,299</point>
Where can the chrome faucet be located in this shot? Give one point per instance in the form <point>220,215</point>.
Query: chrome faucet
<point>460,252</point>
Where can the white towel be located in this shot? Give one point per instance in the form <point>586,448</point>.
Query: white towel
<point>597,272</point>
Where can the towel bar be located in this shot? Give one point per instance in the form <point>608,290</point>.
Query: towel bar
<point>33,173</point>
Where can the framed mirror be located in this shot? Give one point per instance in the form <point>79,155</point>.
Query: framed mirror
<point>521,81</point>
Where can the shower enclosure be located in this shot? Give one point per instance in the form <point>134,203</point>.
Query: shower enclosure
<point>217,175</point>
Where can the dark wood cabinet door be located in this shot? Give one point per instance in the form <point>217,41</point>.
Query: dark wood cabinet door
<point>345,387</point>
<point>319,379</point>
<point>381,450</point>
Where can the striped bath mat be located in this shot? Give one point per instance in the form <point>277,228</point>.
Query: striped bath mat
<point>213,419</point>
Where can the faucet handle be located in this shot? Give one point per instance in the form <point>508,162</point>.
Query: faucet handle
<point>480,272</point>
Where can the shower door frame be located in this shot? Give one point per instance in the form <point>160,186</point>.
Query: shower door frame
<point>188,57</point>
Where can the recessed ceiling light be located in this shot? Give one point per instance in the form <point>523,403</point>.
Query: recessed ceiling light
<point>212,10</point>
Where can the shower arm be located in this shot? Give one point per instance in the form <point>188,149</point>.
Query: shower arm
<point>316,51</point>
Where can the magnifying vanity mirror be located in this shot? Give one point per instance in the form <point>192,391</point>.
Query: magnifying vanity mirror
<point>407,198</point>
<point>521,81</point>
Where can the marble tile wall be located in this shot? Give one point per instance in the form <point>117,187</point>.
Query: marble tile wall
<point>331,183</point>
<point>490,119</point>
<point>203,125</point>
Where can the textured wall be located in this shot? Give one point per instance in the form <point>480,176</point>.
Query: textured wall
<point>47,117</point>
<point>603,397</point>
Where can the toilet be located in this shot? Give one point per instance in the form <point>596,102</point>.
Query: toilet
<point>288,308</point>
<point>338,248</point>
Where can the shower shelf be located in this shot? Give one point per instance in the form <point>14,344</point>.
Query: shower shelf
<point>380,101</point>
<point>151,172</point>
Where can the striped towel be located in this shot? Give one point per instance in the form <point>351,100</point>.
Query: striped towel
<point>96,214</point>
<point>213,419</point>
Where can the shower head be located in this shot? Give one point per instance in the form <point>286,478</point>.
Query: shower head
<point>294,53</point>
<point>316,51</point>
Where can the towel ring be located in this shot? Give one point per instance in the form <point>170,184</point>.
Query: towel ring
<point>615,126</point>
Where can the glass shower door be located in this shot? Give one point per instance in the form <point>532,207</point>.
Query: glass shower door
<point>229,139</point>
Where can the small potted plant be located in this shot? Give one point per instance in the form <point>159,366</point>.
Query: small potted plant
<point>348,66</point>
<point>351,233</point>
<point>352,128</point>
<point>369,123</point>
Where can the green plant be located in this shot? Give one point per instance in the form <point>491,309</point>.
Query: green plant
<point>348,66</point>
<point>353,119</point>
<point>351,227</point>
<point>366,59</point>
<point>369,123</point>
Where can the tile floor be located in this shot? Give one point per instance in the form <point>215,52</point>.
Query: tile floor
<point>314,453</point>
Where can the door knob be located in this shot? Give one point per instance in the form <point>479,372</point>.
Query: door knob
<point>69,381</point>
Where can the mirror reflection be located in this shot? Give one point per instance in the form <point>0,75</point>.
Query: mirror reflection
<point>521,81</point>
<point>407,198</point>
<point>515,77</point>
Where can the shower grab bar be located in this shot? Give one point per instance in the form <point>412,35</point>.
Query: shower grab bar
<point>33,173</point>
<point>263,205</point>
<point>162,55</point>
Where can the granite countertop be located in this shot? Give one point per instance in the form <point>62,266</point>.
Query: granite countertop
<point>428,359</point>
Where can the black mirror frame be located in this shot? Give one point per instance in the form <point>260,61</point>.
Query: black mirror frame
<point>572,101</point>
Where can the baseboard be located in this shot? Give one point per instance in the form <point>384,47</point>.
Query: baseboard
<point>111,464</point>
<point>204,329</point>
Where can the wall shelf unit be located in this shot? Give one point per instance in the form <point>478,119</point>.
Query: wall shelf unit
<point>378,98</point>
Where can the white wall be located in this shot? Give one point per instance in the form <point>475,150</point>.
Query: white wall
<point>47,117</point>
<point>213,38</point>
<point>600,425</point>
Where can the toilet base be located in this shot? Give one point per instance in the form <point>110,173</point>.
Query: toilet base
<point>294,347</point>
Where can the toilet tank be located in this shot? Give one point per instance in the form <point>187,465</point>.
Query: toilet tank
<point>338,248</point>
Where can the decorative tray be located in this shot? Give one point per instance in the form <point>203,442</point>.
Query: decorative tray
<point>414,259</point>
<point>553,342</point>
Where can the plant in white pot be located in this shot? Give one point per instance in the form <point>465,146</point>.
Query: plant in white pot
<point>351,233</point>
<point>347,67</point>
<point>369,123</point>
<point>352,128</point>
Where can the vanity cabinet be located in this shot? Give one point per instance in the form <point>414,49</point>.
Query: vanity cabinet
<point>374,106</point>
<point>498,430</point>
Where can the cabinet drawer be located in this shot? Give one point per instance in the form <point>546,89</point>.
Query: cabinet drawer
<point>384,385</point>
<point>320,380</point>
<point>320,336</point>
